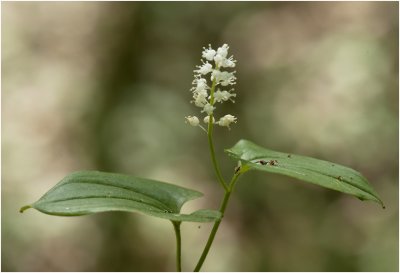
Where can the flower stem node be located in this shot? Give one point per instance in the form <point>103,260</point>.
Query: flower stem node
<point>208,108</point>
<point>207,119</point>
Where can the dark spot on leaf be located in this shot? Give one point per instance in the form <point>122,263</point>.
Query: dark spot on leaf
<point>273,162</point>
<point>262,162</point>
<point>237,169</point>
<point>290,156</point>
<point>340,178</point>
<point>199,227</point>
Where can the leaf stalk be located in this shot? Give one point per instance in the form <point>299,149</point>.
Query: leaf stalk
<point>177,229</point>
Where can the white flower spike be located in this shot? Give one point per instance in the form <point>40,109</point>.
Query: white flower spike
<point>208,78</point>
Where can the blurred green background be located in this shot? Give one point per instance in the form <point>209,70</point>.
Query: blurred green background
<point>105,86</point>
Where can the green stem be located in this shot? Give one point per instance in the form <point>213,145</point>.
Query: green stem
<point>217,223</point>
<point>177,228</point>
<point>212,153</point>
<point>227,187</point>
<point>210,141</point>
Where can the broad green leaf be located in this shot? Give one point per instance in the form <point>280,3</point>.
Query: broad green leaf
<point>320,172</point>
<point>88,192</point>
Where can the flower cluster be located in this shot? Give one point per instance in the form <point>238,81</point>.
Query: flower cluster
<point>209,82</point>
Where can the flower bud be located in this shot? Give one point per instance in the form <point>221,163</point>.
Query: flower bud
<point>207,119</point>
<point>192,120</point>
<point>208,108</point>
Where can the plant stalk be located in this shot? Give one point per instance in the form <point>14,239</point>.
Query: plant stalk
<point>177,228</point>
<point>210,141</point>
<point>228,188</point>
<point>212,153</point>
<point>217,223</point>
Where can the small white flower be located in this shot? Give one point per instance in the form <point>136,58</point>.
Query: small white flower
<point>221,96</point>
<point>202,92</point>
<point>208,108</point>
<point>207,119</point>
<point>204,69</point>
<point>228,62</point>
<point>223,77</point>
<point>192,120</point>
<point>208,53</point>
<point>226,120</point>
<point>223,50</point>
<point>229,81</point>
<point>201,85</point>
<point>219,60</point>
<point>200,99</point>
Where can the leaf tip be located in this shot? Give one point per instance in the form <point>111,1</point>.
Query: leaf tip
<point>24,208</point>
<point>377,200</point>
<point>380,202</point>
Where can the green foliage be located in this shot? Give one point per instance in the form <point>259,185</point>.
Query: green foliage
<point>88,192</point>
<point>320,172</point>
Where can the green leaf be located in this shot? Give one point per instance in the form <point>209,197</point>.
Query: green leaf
<point>88,192</point>
<point>320,172</point>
